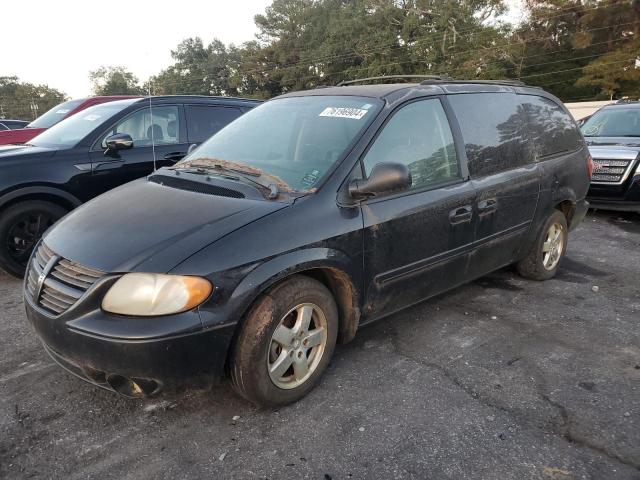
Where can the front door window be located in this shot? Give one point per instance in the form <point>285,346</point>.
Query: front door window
<point>157,125</point>
<point>418,136</point>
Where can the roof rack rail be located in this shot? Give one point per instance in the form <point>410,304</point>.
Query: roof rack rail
<point>514,83</point>
<point>386,77</point>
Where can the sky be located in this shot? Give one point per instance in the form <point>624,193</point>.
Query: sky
<point>58,42</point>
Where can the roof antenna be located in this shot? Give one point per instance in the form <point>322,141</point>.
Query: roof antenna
<point>153,130</point>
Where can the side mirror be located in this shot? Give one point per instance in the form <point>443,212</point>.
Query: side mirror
<point>119,141</point>
<point>385,177</point>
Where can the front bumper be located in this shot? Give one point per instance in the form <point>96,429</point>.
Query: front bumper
<point>625,197</point>
<point>616,206</point>
<point>134,366</point>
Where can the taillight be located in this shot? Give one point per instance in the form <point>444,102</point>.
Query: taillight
<point>590,166</point>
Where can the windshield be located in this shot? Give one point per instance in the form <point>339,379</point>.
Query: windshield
<point>614,122</point>
<point>295,140</point>
<point>69,132</point>
<point>54,115</point>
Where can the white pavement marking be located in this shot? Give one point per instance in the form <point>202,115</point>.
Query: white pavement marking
<point>33,368</point>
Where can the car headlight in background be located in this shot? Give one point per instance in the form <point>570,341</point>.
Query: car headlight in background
<point>149,294</point>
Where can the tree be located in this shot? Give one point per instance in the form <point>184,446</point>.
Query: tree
<point>308,43</point>
<point>578,49</point>
<point>200,70</point>
<point>114,81</point>
<point>24,100</point>
<point>574,48</point>
<point>616,73</point>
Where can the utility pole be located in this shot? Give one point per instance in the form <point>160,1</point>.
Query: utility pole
<point>34,109</point>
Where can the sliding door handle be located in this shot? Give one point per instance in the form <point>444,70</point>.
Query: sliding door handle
<point>461,215</point>
<point>487,206</point>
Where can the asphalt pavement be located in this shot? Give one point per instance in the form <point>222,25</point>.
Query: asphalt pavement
<point>503,378</point>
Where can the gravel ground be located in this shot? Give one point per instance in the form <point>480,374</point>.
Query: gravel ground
<point>502,378</point>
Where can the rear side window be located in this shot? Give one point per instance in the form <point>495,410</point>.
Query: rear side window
<point>552,129</point>
<point>494,132</point>
<point>203,121</point>
<point>418,135</point>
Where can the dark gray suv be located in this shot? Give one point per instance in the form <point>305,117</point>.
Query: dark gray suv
<point>309,216</point>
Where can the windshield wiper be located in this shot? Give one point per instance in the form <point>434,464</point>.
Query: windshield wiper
<point>239,174</point>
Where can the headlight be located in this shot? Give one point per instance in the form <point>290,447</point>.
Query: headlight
<point>149,294</point>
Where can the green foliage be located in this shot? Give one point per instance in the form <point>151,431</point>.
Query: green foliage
<point>26,101</point>
<point>114,81</point>
<point>306,44</point>
<point>578,49</point>
<point>200,70</point>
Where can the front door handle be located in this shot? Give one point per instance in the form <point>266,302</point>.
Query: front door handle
<point>175,156</point>
<point>461,215</point>
<point>487,206</point>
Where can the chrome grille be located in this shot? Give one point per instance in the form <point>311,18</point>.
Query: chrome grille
<point>63,284</point>
<point>610,171</point>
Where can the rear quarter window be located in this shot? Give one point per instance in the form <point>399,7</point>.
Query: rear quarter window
<point>494,130</point>
<point>204,121</point>
<point>552,129</point>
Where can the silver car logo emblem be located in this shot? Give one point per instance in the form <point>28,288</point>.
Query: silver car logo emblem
<point>42,276</point>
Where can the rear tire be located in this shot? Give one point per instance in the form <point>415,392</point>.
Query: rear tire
<point>541,263</point>
<point>21,227</point>
<point>276,360</point>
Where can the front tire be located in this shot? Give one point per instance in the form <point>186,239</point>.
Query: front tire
<point>542,261</point>
<point>21,226</point>
<point>285,343</point>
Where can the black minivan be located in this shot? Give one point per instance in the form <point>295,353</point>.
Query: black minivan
<point>313,214</point>
<point>94,151</point>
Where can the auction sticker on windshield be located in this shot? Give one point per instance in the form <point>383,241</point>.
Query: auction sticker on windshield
<point>343,112</point>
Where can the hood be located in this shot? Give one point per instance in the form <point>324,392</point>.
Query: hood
<point>633,142</point>
<point>144,226</point>
<point>614,152</point>
<point>12,151</point>
<point>20,135</point>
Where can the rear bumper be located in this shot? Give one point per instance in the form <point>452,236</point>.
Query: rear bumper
<point>582,206</point>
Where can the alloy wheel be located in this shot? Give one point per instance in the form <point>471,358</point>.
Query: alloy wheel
<point>25,233</point>
<point>297,346</point>
<point>553,246</point>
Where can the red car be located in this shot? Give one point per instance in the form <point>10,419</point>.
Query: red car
<point>53,116</point>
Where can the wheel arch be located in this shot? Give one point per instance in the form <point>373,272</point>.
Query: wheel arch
<point>567,207</point>
<point>334,269</point>
<point>51,194</point>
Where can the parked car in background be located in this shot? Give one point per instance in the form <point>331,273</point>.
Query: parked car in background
<point>94,151</point>
<point>312,214</point>
<point>613,136</point>
<point>8,124</point>
<point>48,119</point>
